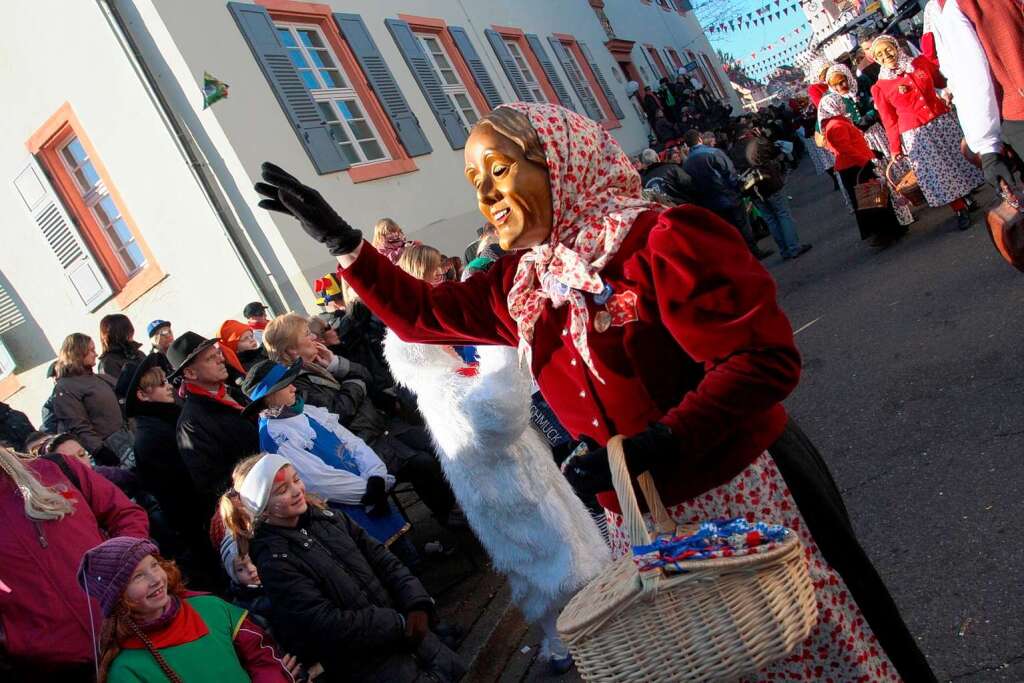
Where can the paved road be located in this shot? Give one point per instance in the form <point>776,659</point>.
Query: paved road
<point>912,389</point>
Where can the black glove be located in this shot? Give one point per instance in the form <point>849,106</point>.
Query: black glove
<point>590,474</point>
<point>994,167</point>
<point>286,194</point>
<point>376,497</point>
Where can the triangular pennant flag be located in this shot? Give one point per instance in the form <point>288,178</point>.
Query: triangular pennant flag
<point>214,90</point>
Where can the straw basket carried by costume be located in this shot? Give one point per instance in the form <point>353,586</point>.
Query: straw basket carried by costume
<point>717,621</point>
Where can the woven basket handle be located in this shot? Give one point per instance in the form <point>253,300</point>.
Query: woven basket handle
<point>888,167</point>
<point>635,527</point>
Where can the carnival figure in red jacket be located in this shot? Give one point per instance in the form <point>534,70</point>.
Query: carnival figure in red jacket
<point>921,127</point>
<point>855,165</point>
<point>636,320</point>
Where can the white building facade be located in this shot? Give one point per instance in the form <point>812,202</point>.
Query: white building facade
<point>127,196</point>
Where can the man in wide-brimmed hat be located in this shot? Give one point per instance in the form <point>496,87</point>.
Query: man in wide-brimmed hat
<point>212,432</point>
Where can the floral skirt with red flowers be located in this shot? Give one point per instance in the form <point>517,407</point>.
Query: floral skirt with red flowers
<point>841,647</point>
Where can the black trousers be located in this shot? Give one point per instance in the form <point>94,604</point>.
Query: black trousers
<point>870,222</point>
<point>737,217</point>
<point>822,507</point>
<point>1013,135</point>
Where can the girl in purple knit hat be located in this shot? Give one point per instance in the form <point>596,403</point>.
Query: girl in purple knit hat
<point>154,629</point>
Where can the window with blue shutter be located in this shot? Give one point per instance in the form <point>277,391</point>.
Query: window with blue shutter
<point>599,75</point>
<point>423,71</point>
<point>577,79</point>
<point>476,65</point>
<point>549,71</point>
<point>381,80</point>
<point>516,75</point>
<point>313,132</point>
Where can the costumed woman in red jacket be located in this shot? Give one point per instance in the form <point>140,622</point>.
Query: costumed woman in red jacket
<point>635,320</point>
<point>920,125</point>
<point>855,164</point>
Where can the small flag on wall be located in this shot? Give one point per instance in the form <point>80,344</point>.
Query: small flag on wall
<point>214,89</point>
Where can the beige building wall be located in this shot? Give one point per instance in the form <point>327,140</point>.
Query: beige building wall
<point>81,63</point>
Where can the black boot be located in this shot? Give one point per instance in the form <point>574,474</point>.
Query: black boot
<point>963,219</point>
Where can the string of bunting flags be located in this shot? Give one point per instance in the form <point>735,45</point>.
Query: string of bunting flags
<point>760,16</point>
<point>783,44</point>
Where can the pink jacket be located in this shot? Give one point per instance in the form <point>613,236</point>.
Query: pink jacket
<point>44,619</point>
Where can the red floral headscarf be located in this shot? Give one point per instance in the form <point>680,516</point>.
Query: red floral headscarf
<point>595,198</point>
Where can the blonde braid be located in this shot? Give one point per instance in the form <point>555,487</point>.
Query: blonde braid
<point>42,502</point>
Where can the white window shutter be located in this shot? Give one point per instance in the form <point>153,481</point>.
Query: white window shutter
<point>85,277</point>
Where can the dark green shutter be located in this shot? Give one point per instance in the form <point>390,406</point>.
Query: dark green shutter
<point>476,65</point>
<point>426,78</point>
<point>590,105</point>
<point>601,81</point>
<point>383,83</point>
<point>549,71</point>
<point>314,134</point>
<point>508,64</point>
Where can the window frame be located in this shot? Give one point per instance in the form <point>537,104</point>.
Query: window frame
<point>45,144</point>
<point>439,29</point>
<point>530,79</point>
<point>426,39</point>
<point>92,197</point>
<point>718,85</point>
<point>676,59</point>
<point>331,95</point>
<point>510,34</point>
<point>322,16</point>
<point>659,63</point>
<point>572,47</point>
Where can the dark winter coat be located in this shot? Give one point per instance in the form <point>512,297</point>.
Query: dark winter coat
<point>757,152</point>
<point>159,464</point>
<point>14,427</point>
<point>362,339</point>
<point>714,177</point>
<point>670,180</point>
<point>115,358</point>
<point>343,392</point>
<point>87,406</point>
<point>665,130</point>
<point>48,417</point>
<point>338,597</point>
<point>212,437</point>
<point>251,357</point>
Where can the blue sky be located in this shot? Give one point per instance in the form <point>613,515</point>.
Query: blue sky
<point>741,43</point>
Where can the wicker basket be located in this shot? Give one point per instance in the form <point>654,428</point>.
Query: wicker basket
<point>872,193</point>
<point>906,186</point>
<point>722,619</point>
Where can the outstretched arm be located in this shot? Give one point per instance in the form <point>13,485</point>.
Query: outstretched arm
<point>468,313</point>
<point>471,312</point>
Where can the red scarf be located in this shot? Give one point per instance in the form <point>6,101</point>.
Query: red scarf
<point>186,626</point>
<point>221,396</point>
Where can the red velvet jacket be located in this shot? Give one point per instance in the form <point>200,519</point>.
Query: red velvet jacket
<point>909,101</point>
<point>700,343</point>
<point>846,142</point>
